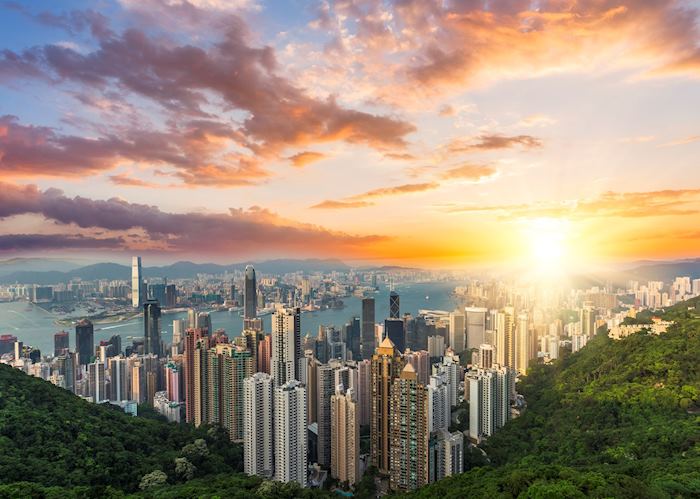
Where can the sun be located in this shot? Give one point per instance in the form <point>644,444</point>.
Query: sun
<point>547,243</point>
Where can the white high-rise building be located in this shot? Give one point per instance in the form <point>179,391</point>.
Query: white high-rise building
<point>457,329</point>
<point>439,410</point>
<point>449,454</point>
<point>486,356</point>
<point>290,426</point>
<point>286,345</point>
<point>345,443</point>
<point>476,326</point>
<point>452,371</point>
<point>489,401</point>
<point>258,445</point>
<point>137,294</point>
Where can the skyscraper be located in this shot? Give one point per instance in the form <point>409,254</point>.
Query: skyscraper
<point>151,325</point>
<point>486,357</point>
<point>394,330</point>
<point>522,344</point>
<point>258,449</point>
<point>394,305</point>
<point>137,297</point>
<point>119,382</point>
<point>367,347</point>
<point>250,294</point>
<point>409,432</point>
<point>192,337</point>
<point>84,341</point>
<point>60,343</point>
<point>97,382</point>
<point>476,327</point>
<point>325,388</point>
<point>345,444</point>
<point>457,331</point>
<point>439,410</point>
<point>290,428</point>
<point>286,345</point>
<point>489,401</point>
<point>505,337</point>
<point>386,367</point>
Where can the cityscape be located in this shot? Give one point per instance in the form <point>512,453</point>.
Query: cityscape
<point>261,249</point>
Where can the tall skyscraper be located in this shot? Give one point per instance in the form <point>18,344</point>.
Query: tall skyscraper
<point>409,432</point>
<point>522,344</point>
<point>60,343</point>
<point>439,410</point>
<point>394,305</point>
<point>258,442</point>
<point>587,320</point>
<point>363,391</point>
<point>457,331</point>
<point>486,357</point>
<point>118,379</point>
<point>84,341</point>
<point>345,444</point>
<point>97,382</point>
<point>290,433</point>
<point>192,338</point>
<point>386,367</point>
<point>505,337</point>
<point>489,401</point>
<point>250,294</point>
<point>151,328</point>
<point>367,347</point>
<point>137,293</point>
<point>476,326</point>
<point>264,355</point>
<point>325,390</point>
<point>394,330</point>
<point>286,345</point>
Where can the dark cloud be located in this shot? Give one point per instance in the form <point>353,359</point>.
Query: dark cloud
<point>238,231</point>
<point>33,242</point>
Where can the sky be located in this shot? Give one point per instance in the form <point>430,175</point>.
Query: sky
<point>437,133</point>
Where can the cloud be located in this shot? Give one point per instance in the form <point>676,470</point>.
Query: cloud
<point>192,82</point>
<point>684,141</point>
<point>397,190</point>
<point>125,180</point>
<point>607,205</point>
<point>305,158</point>
<point>336,205</point>
<point>236,232</point>
<point>400,156</point>
<point>471,172</point>
<point>490,142</point>
<point>32,242</point>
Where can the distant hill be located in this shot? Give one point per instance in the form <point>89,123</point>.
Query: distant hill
<point>664,271</point>
<point>179,270</point>
<point>37,265</point>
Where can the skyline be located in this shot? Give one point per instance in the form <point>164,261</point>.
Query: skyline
<point>360,130</point>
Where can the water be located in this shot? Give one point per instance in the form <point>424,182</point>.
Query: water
<point>36,327</point>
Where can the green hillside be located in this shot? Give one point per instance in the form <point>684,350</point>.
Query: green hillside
<point>50,437</point>
<point>617,419</point>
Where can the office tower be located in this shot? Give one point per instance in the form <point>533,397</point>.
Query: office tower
<point>84,341</point>
<point>173,382</point>
<point>118,379</point>
<point>60,343</point>
<point>363,391</point>
<point>178,333</point>
<point>393,329</point>
<point>394,309</point>
<point>170,295</point>
<point>421,363</point>
<point>311,383</point>
<point>66,366</point>
<point>151,328</point>
<point>156,292</point>
<point>436,346</point>
<point>345,443</point>
<point>258,448</point>
<point>191,318</point>
<point>367,347</point>
<point>137,297</point>
<point>290,427</point>
<point>439,410</point>
<point>325,388</point>
<point>204,322</point>
<point>19,350</point>
<point>447,454</point>
<point>353,337</point>
<point>476,326</point>
<point>264,354</point>
<point>457,331</point>
<point>97,382</point>
<point>587,320</point>
<point>505,337</point>
<point>386,367</point>
<point>192,336</point>
<point>286,345</point>
<point>522,346</point>
<point>250,294</point>
<point>486,356</point>
<point>409,433</point>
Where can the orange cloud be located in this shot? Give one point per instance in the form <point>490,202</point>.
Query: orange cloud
<point>329,204</point>
<point>470,172</point>
<point>305,158</point>
<point>124,179</point>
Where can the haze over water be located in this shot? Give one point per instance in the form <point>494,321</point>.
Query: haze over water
<point>36,327</point>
